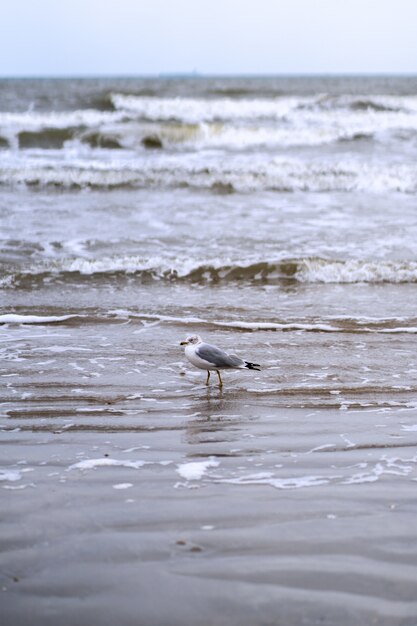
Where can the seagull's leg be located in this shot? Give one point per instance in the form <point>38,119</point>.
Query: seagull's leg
<point>220,379</point>
<point>208,377</point>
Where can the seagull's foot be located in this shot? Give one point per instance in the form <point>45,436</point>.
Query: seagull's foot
<point>220,379</point>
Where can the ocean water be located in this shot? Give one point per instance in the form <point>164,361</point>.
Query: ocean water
<point>275,217</point>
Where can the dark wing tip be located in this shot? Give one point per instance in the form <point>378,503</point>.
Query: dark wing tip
<point>253,366</point>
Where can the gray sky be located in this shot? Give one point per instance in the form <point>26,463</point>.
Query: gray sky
<point>85,37</point>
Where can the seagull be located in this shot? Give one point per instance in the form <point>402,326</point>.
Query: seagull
<point>211,358</point>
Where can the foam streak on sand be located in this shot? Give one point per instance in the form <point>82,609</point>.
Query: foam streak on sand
<point>10,474</point>
<point>195,470</point>
<point>263,478</point>
<point>94,463</point>
<point>107,462</point>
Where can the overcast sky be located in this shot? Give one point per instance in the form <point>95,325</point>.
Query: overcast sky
<point>99,37</point>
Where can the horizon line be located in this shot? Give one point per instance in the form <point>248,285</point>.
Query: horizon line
<point>197,75</point>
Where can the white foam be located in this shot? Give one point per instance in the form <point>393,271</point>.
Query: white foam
<point>60,349</point>
<point>277,326</point>
<point>123,486</point>
<point>195,470</point>
<point>337,114</point>
<point>106,462</point>
<point>266,478</point>
<point>13,318</point>
<point>11,475</point>
<point>157,266</point>
<point>371,473</point>
<point>361,478</point>
<point>356,271</point>
<point>314,270</point>
<point>163,318</point>
<point>241,172</point>
<point>33,120</point>
<point>283,121</point>
<point>393,466</point>
<point>315,112</point>
<point>401,329</point>
<point>196,110</point>
<point>19,487</point>
<point>325,446</point>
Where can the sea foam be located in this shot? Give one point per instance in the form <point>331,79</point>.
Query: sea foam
<point>195,470</point>
<point>239,173</point>
<point>14,318</point>
<point>106,462</point>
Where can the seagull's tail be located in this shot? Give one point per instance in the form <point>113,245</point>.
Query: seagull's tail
<point>253,366</point>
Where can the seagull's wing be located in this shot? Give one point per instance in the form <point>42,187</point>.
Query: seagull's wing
<point>217,357</point>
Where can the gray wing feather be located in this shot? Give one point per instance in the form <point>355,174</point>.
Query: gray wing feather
<point>218,357</point>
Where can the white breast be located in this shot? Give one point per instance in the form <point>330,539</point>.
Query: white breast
<point>196,360</point>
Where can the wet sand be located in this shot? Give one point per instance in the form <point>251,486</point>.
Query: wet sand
<point>132,493</point>
<point>148,546</point>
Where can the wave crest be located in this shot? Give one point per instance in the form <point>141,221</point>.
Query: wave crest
<point>215,122</point>
<point>317,270</point>
<point>303,270</point>
<point>242,175</point>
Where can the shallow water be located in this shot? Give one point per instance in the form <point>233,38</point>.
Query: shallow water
<point>276,219</point>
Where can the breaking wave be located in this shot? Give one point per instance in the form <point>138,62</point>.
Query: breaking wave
<point>196,110</point>
<point>234,175</point>
<point>318,270</point>
<point>127,120</point>
<point>303,270</point>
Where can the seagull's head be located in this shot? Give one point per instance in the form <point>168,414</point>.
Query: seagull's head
<point>194,339</point>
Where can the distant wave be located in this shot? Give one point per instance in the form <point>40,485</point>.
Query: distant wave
<point>170,135</point>
<point>368,103</point>
<point>51,129</point>
<point>304,270</point>
<point>184,136</point>
<point>130,120</point>
<point>31,120</point>
<point>195,110</point>
<point>232,108</point>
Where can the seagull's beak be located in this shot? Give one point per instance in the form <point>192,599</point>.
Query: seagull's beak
<point>184,343</point>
